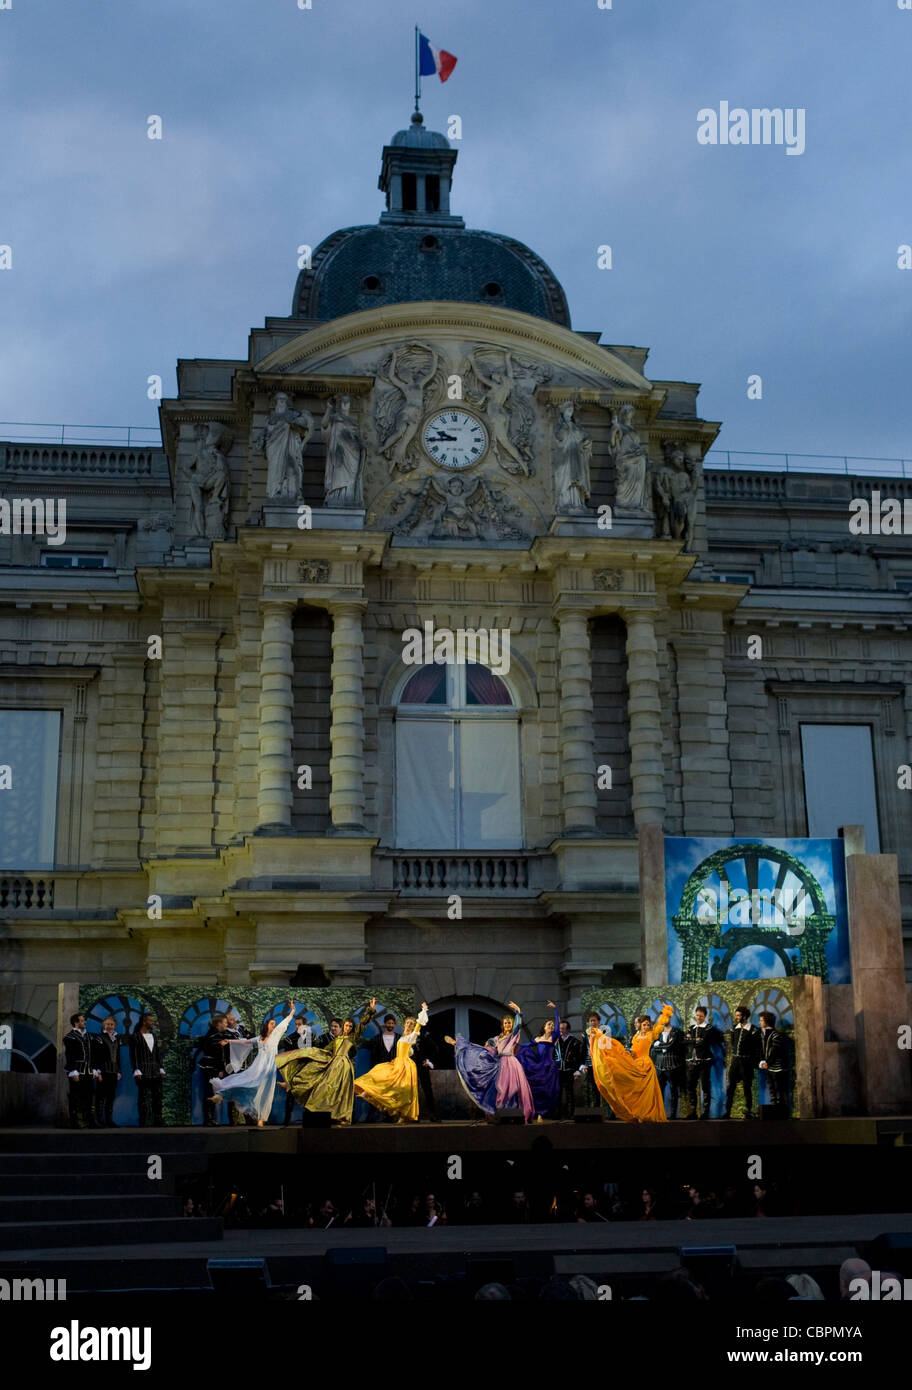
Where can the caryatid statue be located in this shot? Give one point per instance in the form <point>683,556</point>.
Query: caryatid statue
<point>630,461</point>
<point>283,442</point>
<point>209,486</point>
<point>344,455</point>
<point>571,452</point>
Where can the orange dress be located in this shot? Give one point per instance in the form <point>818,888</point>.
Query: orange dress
<point>628,1080</point>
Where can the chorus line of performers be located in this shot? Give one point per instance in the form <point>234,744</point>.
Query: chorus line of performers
<point>536,1077</point>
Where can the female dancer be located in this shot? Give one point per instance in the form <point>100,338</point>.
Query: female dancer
<point>322,1079</point>
<point>491,1075</point>
<point>393,1086</point>
<point>539,1062</point>
<point>252,1089</point>
<point>628,1080</point>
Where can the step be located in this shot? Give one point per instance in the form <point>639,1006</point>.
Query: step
<point>88,1207</point>
<point>37,1235</point>
<point>124,1140</point>
<point>50,1164</point>
<point>83,1184</point>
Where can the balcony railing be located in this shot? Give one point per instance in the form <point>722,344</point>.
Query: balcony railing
<point>76,458</point>
<point>747,460</point>
<point>24,893</point>
<point>416,873</point>
<point>148,436</point>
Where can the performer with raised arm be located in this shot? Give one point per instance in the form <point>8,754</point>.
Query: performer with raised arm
<point>491,1075</point>
<point>393,1086</point>
<point>252,1089</point>
<point>628,1080</point>
<point>322,1079</point>
<point>539,1061</point>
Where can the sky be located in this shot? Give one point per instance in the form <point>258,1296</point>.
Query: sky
<point>579,130</point>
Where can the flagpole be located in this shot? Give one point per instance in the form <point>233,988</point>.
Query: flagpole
<point>417,76</point>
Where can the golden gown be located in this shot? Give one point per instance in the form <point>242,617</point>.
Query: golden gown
<point>628,1080</point>
<point>393,1086</point>
<point>321,1079</point>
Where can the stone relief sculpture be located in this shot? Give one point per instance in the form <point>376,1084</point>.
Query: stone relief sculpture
<point>283,441</point>
<point>313,571</point>
<point>628,454</point>
<point>608,580</point>
<point>400,408</point>
<point>209,485</point>
<point>497,388</point>
<point>571,453</point>
<point>342,480</point>
<point>674,495</point>
<point>456,511</point>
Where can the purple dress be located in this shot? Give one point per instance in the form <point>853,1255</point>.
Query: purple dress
<point>539,1062</point>
<point>492,1075</point>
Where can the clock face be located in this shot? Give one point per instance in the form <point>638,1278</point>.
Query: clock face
<point>454,438</point>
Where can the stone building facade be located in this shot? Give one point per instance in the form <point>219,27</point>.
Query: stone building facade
<point>241,779</point>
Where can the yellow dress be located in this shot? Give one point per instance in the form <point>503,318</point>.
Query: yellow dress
<point>393,1086</point>
<point>628,1080</point>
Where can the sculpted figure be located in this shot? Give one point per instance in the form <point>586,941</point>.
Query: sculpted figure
<point>674,496</point>
<point>500,405</point>
<point>208,482</point>
<point>344,455</point>
<point>630,462</point>
<point>283,441</point>
<point>571,454</point>
<point>400,419</point>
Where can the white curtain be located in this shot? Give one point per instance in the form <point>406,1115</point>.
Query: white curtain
<point>425,782</point>
<point>489,784</point>
<point>30,746</point>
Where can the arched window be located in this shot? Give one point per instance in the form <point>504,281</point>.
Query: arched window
<point>458,780</point>
<point>32,1049</point>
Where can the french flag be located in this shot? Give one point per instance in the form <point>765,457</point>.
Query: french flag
<point>431,60</point>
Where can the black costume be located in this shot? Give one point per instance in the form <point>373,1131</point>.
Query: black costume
<point>425,1050</point>
<point>105,1059</point>
<point>149,1083</point>
<point>744,1055</point>
<point>775,1050</point>
<point>213,1060</point>
<point>77,1052</point>
<point>668,1059</point>
<point>293,1042</point>
<point>571,1053</point>
<point>701,1040</point>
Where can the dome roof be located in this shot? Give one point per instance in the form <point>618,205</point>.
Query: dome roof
<point>365,267</point>
<point>418,137</point>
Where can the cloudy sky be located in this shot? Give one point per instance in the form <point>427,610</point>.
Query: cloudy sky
<point>579,129</point>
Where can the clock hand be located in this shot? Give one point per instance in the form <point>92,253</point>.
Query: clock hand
<point>442,438</point>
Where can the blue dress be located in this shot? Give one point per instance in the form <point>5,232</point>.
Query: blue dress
<point>478,1069</point>
<point>539,1062</point>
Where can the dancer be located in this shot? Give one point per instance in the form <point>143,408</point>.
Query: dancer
<point>539,1061</point>
<point>322,1079</point>
<point>491,1075</point>
<point>702,1040</point>
<point>393,1086</point>
<point>628,1080</point>
<point>252,1089</point>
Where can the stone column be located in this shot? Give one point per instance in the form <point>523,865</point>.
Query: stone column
<point>647,776</point>
<point>346,765</point>
<point>878,979</point>
<point>576,732</point>
<point>275,719</point>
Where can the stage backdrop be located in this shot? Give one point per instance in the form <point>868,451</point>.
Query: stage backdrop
<point>617,1009</point>
<point>183,1014</point>
<point>753,908</point>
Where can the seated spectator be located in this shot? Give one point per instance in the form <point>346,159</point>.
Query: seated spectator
<point>806,1288</point>
<point>434,1211</point>
<point>493,1293</point>
<point>474,1211</point>
<point>852,1269</point>
<point>587,1208</point>
<point>648,1205</point>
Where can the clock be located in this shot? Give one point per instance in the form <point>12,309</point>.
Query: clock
<point>454,438</point>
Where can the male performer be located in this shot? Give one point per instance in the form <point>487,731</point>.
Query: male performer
<point>214,1060</point>
<point>701,1038</point>
<point>106,1066</point>
<point>301,1037</point>
<point>424,1055</point>
<point>593,1096</point>
<point>571,1055</point>
<point>775,1061</point>
<point>744,1054</point>
<point>668,1059</point>
<point>77,1053</point>
<point>236,1030</point>
<point>382,1048</point>
<point>147,1071</point>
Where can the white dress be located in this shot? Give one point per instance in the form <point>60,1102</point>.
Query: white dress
<point>252,1089</point>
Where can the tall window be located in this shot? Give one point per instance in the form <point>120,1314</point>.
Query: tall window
<point>457,761</point>
<point>839,786</point>
<point>29,747</point>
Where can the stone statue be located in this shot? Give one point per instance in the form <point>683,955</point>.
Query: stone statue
<point>674,495</point>
<point>398,416</point>
<point>630,463</point>
<point>457,511</point>
<point>508,413</point>
<point>209,485</point>
<point>344,455</point>
<point>283,442</point>
<point>571,452</point>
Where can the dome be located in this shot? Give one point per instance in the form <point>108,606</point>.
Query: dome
<point>366,267</point>
<point>416,137</point>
